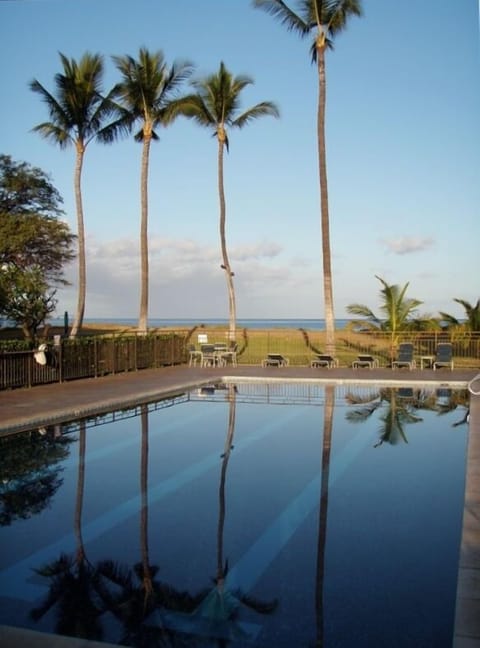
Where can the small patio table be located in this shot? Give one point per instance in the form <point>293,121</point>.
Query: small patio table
<point>426,361</point>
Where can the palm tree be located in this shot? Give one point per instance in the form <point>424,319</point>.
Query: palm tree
<point>398,312</point>
<point>325,18</point>
<point>216,106</point>
<point>78,114</point>
<point>472,316</point>
<point>147,95</point>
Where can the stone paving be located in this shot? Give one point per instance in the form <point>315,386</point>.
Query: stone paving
<point>23,409</point>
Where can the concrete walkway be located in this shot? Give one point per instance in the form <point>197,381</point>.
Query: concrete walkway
<point>24,409</point>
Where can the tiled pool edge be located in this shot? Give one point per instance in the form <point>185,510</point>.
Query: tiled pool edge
<point>467,617</point>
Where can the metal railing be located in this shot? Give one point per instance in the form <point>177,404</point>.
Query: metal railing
<point>89,357</point>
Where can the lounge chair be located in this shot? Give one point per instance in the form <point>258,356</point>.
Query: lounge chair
<point>405,356</point>
<point>324,360</point>
<point>365,360</point>
<point>443,356</point>
<point>275,360</point>
<point>405,393</point>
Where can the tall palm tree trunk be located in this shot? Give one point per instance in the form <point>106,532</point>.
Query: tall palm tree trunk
<point>82,273</point>
<point>325,221</point>
<point>147,576</point>
<point>80,491</point>
<point>322,518</point>
<point>221,490</point>
<point>143,317</point>
<point>232,311</point>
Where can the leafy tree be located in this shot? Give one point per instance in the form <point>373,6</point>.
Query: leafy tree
<point>36,241</point>
<point>3,299</point>
<point>28,300</point>
<point>216,106</point>
<point>472,313</point>
<point>78,113</point>
<point>147,94</point>
<point>34,245</point>
<point>325,18</point>
<point>25,189</point>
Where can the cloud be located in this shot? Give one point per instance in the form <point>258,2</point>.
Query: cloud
<point>257,251</point>
<point>408,244</point>
<point>185,278</point>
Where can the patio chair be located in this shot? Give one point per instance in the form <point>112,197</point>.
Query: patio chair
<point>209,355</point>
<point>405,356</point>
<point>365,360</point>
<point>443,356</point>
<point>324,360</point>
<point>194,355</point>
<point>275,360</point>
<point>229,353</point>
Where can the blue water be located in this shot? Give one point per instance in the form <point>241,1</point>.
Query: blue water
<point>235,478</point>
<point>309,324</point>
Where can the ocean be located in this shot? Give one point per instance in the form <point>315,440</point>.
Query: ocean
<point>309,324</point>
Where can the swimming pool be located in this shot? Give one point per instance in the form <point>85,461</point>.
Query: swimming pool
<point>253,514</point>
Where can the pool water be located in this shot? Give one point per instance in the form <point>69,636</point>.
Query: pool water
<point>265,515</point>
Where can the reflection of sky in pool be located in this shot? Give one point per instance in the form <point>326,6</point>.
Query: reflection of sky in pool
<point>230,532</point>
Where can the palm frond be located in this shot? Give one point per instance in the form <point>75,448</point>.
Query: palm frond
<point>148,91</point>
<point>472,313</point>
<point>362,414</point>
<point>265,108</point>
<point>257,605</point>
<point>56,134</point>
<point>194,107</point>
<point>287,17</point>
<point>371,321</point>
<point>217,101</point>
<point>338,13</point>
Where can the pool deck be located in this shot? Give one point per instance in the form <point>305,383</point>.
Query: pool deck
<point>23,409</point>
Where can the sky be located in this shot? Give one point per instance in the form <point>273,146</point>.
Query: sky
<point>403,157</point>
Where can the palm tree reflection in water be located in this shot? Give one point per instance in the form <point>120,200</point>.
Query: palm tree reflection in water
<point>135,597</point>
<point>153,613</point>
<point>149,611</point>
<point>402,405</point>
<point>323,510</point>
<point>73,579</point>
<point>220,607</point>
